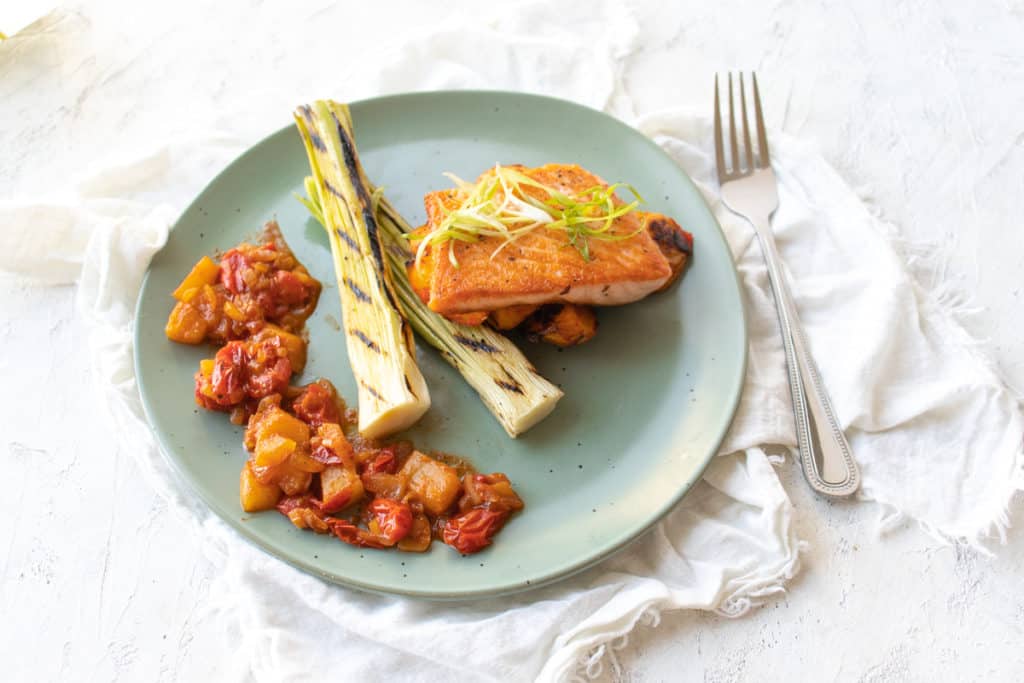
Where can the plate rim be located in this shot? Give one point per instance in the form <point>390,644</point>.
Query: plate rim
<point>238,527</point>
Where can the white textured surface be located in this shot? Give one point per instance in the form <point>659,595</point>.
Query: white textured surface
<point>919,104</point>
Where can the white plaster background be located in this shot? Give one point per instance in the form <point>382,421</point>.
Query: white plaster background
<point>918,104</point>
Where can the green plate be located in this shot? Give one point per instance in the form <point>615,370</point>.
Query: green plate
<point>647,402</point>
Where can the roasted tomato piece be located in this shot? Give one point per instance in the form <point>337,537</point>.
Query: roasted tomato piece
<point>330,445</point>
<point>304,512</point>
<point>384,461</point>
<point>268,370</point>
<point>289,289</point>
<point>380,470</point>
<point>324,455</point>
<point>317,404</point>
<point>283,292</point>
<point>286,505</point>
<point>389,521</point>
<point>203,394</point>
<point>224,385</point>
<point>240,371</point>
<point>472,531</point>
<point>229,369</point>
<point>351,534</point>
<point>493,491</point>
<point>236,271</point>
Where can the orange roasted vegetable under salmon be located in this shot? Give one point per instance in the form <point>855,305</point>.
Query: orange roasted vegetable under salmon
<point>472,276</point>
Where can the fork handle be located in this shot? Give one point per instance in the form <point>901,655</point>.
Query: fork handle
<point>825,455</point>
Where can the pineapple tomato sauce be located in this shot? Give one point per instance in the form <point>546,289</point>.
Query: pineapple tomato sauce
<point>306,457</point>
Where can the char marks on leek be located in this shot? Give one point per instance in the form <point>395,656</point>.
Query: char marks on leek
<point>508,384</point>
<point>381,351</point>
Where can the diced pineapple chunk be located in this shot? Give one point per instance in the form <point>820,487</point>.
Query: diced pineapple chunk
<point>293,481</point>
<point>185,325</point>
<point>341,487</point>
<point>234,312</point>
<point>205,272</point>
<point>300,460</point>
<point>273,449</point>
<point>256,496</point>
<point>332,437</point>
<point>433,483</point>
<point>276,421</point>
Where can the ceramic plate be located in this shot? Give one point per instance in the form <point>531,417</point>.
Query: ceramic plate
<point>646,404</point>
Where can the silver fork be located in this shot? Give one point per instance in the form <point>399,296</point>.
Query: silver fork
<point>749,190</point>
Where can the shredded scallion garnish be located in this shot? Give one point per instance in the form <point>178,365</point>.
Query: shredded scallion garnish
<point>500,206</point>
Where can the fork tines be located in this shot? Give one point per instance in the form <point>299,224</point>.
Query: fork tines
<point>749,162</point>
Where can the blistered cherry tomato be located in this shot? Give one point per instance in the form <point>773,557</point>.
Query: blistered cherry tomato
<point>267,374</point>
<point>203,399</point>
<point>389,521</point>
<point>288,289</point>
<point>493,491</point>
<point>384,461</point>
<point>227,381</point>
<point>472,531</point>
<point>315,406</point>
<point>235,269</point>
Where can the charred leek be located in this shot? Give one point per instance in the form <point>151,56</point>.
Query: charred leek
<point>506,381</point>
<point>381,351</point>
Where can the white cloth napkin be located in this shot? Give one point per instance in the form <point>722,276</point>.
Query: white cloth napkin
<point>937,434</point>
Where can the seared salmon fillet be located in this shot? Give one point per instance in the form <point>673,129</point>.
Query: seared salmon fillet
<point>541,266</point>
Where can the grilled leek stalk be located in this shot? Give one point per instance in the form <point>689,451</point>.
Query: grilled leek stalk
<point>508,384</point>
<point>381,351</point>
